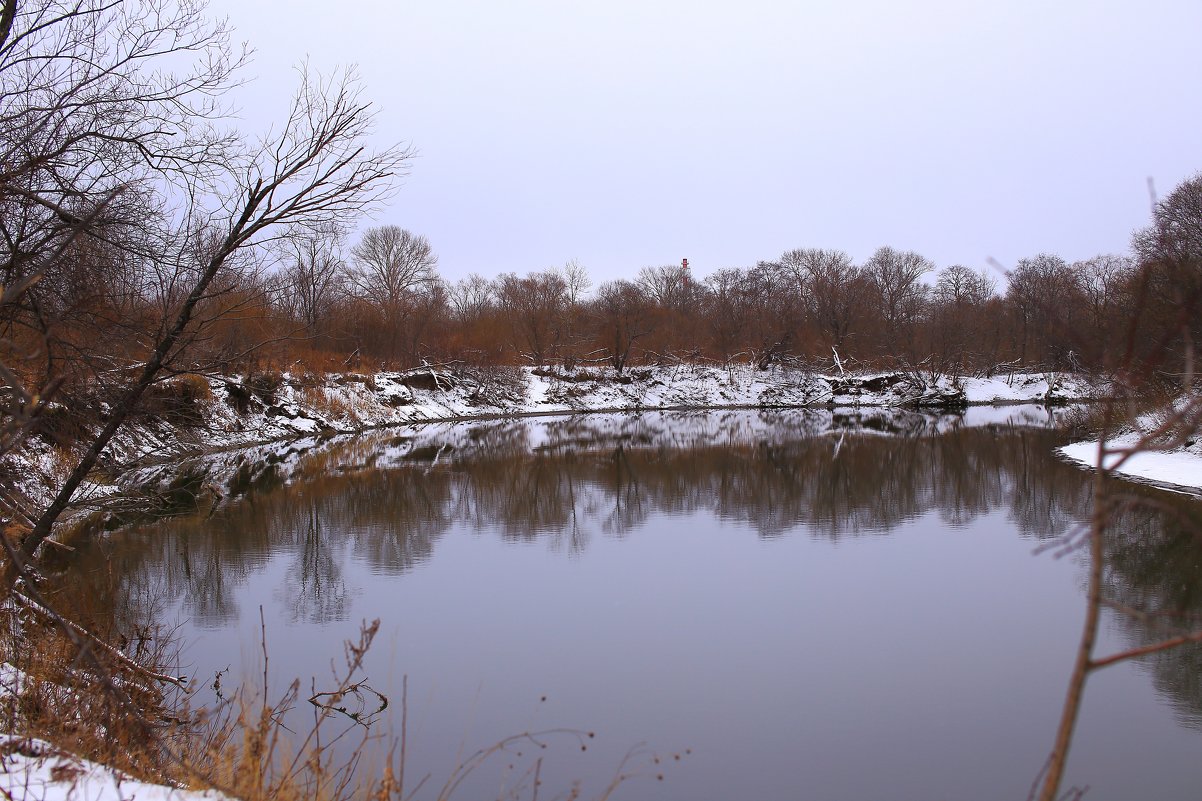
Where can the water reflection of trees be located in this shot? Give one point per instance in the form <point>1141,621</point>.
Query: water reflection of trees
<point>384,501</point>
<point>400,495</point>
<point>1154,576</point>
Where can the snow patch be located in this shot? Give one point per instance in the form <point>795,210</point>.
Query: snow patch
<point>34,770</point>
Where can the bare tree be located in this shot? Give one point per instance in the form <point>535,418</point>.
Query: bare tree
<point>1041,296</point>
<point>896,281</point>
<point>1103,284</point>
<point>313,278</point>
<point>1170,251</point>
<point>536,307</point>
<point>834,290</point>
<point>958,285</point>
<point>958,319</point>
<point>207,206</point>
<point>1170,280</point>
<point>728,311</point>
<point>679,300</point>
<point>425,322</point>
<point>578,282</point>
<point>624,315</point>
<point>669,286</point>
<point>576,278</point>
<point>471,297</point>
<point>390,263</point>
<point>1176,230</point>
<point>97,146</point>
<point>391,268</point>
<point>775,295</point>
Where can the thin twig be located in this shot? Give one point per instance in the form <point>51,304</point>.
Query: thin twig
<point>1144,650</point>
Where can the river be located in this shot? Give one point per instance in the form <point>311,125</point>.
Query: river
<point>748,604</point>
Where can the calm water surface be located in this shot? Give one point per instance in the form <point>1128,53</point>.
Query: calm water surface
<point>797,604</point>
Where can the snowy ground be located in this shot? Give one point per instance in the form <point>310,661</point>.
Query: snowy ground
<point>33,770</point>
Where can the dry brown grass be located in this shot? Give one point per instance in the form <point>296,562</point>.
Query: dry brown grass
<point>297,357</point>
<point>331,407</point>
<point>246,750</point>
<point>94,701</point>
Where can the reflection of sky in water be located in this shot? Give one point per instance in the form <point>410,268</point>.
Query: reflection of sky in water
<point>717,600</point>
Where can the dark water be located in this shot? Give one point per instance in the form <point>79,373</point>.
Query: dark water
<point>797,604</point>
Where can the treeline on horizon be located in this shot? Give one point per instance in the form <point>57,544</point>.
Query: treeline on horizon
<point>325,304</point>
<point>141,240</point>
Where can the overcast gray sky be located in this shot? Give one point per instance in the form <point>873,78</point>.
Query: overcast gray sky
<point>625,133</point>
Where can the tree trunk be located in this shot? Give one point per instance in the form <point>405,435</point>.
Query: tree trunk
<point>121,410</point>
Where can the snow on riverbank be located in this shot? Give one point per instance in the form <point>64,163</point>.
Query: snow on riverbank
<point>239,412</point>
<point>348,402</point>
<point>1181,469</point>
<point>1131,454</point>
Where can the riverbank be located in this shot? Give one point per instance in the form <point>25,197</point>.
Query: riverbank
<point>191,416</point>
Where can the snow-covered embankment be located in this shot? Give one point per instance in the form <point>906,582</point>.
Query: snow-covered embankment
<point>236,412</point>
